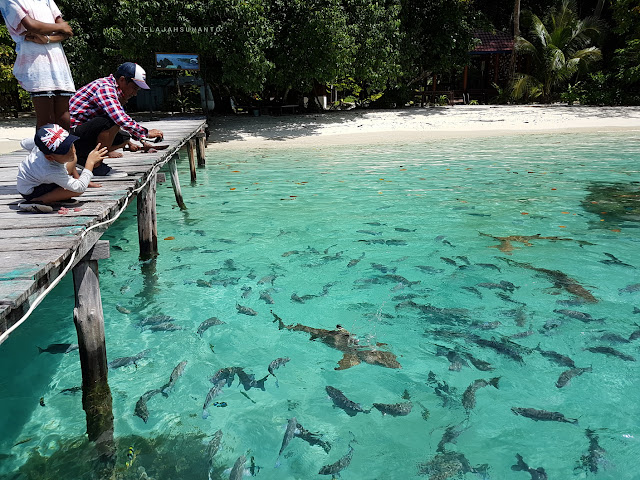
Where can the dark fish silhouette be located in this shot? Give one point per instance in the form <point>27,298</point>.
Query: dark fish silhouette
<point>264,295</point>
<point>556,357</point>
<point>225,375</point>
<point>155,320</point>
<point>125,361</point>
<point>213,393</point>
<point>56,348</point>
<point>582,316</point>
<point>141,409</point>
<point>469,395</point>
<point>595,457</point>
<point>450,435</point>
<point>246,310</point>
<point>614,261</point>
<point>566,376</point>
<point>634,287</point>
<point>342,340</point>
<point>204,326</point>
<point>173,378</point>
<point>542,415</point>
<point>559,279</point>
<point>212,449</point>
<point>612,352</point>
<point>504,347</point>
<point>354,261</point>
<point>249,381</point>
<point>536,474</point>
<point>394,409</point>
<point>289,433</point>
<point>238,468</point>
<point>165,327</point>
<point>337,467</point>
<point>312,438</point>
<point>341,401</point>
<point>449,261</point>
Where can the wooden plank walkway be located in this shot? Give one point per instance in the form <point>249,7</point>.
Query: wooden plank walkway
<point>35,248</point>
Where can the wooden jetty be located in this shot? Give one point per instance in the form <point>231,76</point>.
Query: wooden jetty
<point>36,249</point>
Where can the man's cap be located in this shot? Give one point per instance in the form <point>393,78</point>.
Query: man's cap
<point>133,71</point>
<point>52,139</point>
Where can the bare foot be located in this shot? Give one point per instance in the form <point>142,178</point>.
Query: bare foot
<point>94,185</point>
<point>114,154</point>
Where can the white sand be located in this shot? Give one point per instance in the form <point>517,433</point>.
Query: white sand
<point>388,126</point>
<point>414,124</point>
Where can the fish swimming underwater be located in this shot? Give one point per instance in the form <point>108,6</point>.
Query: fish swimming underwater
<point>125,361</point>
<point>595,458</point>
<point>246,310</point>
<point>277,363</point>
<point>469,395</point>
<point>342,340</point>
<point>542,415</point>
<point>212,449</point>
<point>337,467</point>
<point>141,409</point>
<point>292,425</point>
<point>175,374</point>
<point>536,473</point>
<point>611,352</point>
<point>312,438</point>
<point>210,322</point>
<point>566,376</point>
<point>55,348</point>
<point>394,409</point>
<point>341,401</point>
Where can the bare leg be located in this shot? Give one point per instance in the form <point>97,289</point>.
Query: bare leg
<point>58,195</point>
<point>106,140</point>
<point>61,108</point>
<point>45,110</point>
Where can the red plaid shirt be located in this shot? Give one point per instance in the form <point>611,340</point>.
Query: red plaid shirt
<point>99,98</point>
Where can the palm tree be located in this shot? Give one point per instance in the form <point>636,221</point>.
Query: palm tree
<point>558,50</point>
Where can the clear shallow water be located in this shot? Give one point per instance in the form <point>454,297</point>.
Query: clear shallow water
<point>431,213</point>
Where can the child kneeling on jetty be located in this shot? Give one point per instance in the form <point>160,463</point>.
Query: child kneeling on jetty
<point>48,175</point>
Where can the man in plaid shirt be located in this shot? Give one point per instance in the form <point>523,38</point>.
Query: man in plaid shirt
<point>98,116</point>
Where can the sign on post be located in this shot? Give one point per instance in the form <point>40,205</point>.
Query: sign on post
<point>177,61</point>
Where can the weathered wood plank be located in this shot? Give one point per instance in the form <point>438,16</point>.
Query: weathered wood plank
<point>34,248</point>
<point>15,292</point>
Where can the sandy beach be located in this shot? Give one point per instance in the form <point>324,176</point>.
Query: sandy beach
<point>388,126</point>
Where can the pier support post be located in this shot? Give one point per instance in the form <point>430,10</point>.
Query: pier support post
<point>192,162</point>
<point>147,220</point>
<point>173,170</point>
<point>200,146</point>
<point>89,320</point>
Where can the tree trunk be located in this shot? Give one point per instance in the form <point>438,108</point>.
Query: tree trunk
<point>598,10</point>
<point>516,34</point>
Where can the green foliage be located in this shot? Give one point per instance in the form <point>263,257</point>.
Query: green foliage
<point>376,52</point>
<point>560,47</point>
<point>436,36</point>
<point>600,88</point>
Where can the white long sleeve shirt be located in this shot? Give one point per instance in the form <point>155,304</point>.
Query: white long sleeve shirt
<point>36,170</point>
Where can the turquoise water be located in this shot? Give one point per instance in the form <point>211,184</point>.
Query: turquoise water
<point>398,244</point>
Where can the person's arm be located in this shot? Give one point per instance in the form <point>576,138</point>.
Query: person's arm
<point>42,28</point>
<point>107,98</point>
<point>44,39</point>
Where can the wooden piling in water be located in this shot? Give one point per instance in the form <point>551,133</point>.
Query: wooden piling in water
<point>200,146</point>
<point>147,220</point>
<point>89,320</point>
<point>173,170</point>
<point>192,162</point>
